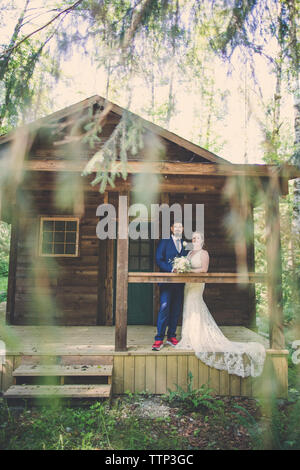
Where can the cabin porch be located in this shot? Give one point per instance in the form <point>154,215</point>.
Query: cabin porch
<point>138,368</point>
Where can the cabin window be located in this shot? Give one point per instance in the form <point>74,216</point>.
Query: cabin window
<point>59,236</point>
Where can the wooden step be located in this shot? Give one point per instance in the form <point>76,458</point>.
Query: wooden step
<point>63,391</point>
<point>39,370</point>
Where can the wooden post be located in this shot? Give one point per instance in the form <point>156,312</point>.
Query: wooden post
<point>251,268</point>
<point>109,288</point>
<point>13,256</point>
<point>273,250</point>
<point>122,274</point>
<point>102,273</point>
<point>102,292</point>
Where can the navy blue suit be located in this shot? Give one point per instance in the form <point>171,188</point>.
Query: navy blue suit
<point>171,295</point>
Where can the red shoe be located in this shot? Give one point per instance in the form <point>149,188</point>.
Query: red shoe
<point>157,345</point>
<point>172,341</point>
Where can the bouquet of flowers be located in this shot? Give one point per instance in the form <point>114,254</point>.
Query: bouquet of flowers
<point>182,264</point>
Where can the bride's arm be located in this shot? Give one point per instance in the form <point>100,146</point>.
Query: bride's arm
<point>205,263</point>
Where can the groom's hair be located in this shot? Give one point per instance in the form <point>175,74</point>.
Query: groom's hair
<point>175,221</point>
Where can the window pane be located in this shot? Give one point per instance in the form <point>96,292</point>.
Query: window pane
<point>70,248</point>
<point>47,248</point>
<point>48,237</point>
<point>133,263</point>
<point>48,225</point>
<point>145,248</point>
<point>59,248</point>
<point>71,237</point>
<point>59,237</point>
<point>145,264</point>
<point>71,226</point>
<point>59,225</point>
<point>133,247</point>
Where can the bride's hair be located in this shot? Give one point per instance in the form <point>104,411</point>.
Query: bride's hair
<point>201,236</point>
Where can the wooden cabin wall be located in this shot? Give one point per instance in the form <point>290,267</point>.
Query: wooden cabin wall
<point>72,282</point>
<point>82,287</point>
<point>43,147</point>
<point>228,303</point>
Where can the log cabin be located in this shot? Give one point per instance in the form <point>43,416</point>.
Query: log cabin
<point>74,299</point>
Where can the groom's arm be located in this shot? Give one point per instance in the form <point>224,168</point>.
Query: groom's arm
<point>161,257</point>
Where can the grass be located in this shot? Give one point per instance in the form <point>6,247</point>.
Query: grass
<point>72,428</point>
<point>226,423</point>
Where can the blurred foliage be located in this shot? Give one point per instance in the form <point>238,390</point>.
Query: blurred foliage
<point>4,258</point>
<point>290,302</point>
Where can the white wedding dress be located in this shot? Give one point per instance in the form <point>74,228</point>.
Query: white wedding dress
<point>201,333</point>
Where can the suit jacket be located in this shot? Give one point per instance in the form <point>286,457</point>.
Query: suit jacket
<point>165,253</point>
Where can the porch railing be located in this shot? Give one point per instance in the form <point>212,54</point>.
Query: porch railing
<point>228,278</point>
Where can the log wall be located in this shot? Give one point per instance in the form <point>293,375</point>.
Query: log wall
<point>58,290</point>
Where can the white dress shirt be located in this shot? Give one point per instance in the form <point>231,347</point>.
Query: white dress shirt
<point>174,240</point>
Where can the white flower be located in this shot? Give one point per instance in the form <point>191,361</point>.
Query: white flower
<point>184,243</point>
<point>182,264</point>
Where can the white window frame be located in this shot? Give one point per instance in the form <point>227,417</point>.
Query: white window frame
<point>57,218</point>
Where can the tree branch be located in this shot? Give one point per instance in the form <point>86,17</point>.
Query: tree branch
<point>135,22</point>
<point>66,10</point>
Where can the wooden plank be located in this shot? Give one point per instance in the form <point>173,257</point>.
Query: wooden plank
<point>59,370</point>
<point>102,273</point>
<point>214,375</point>
<point>94,344</point>
<point>182,371</point>
<point>161,374</point>
<point>8,367</point>
<point>139,373</point>
<point>280,365</point>
<point>203,371</point>
<point>224,383</point>
<point>273,253</point>
<point>95,360</point>
<point>109,285</point>
<point>251,267</point>
<point>172,372</point>
<point>274,379</point>
<point>150,374</point>
<point>232,278</point>
<point>129,374</point>
<point>246,387</point>
<point>13,259</point>
<point>122,275</point>
<point>118,375</point>
<point>235,385</point>
<point>67,391</point>
<point>102,292</point>
<point>193,367</point>
<point>17,362</point>
<point>171,168</point>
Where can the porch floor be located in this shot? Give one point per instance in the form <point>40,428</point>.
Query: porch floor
<point>94,340</point>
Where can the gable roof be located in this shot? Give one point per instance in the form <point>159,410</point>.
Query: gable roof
<point>96,99</point>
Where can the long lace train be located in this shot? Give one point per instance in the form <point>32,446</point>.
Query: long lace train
<point>201,334</point>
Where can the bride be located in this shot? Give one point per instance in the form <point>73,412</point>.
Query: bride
<point>201,333</point>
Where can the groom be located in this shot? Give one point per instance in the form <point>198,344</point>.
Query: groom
<point>171,295</point>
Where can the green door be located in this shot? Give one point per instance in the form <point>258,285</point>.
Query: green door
<point>140,296</point>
